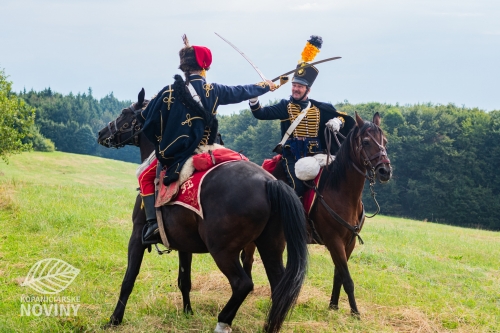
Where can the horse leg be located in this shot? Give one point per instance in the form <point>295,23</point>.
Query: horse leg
<point>339,256</point>
<point>241,286</point>
<point>337,285</point>
<point>135,256</point>
<point>247,258</point>
<point>184,279</point>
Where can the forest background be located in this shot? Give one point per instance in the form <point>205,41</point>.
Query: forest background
<point>444,157</point>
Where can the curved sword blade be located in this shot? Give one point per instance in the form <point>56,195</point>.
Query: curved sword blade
<point>305,66</point>
<point>244,56</point>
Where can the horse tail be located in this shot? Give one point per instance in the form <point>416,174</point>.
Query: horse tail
<point>285,201</point>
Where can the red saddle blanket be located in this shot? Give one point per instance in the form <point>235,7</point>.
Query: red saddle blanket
<point>190,191</point>
<point>188,194</point>
<point>309,196</point>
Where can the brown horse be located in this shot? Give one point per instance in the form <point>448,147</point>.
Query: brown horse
<point>338,214</point>
<point>243,204</point>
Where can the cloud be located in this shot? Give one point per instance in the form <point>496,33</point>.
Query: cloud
<point>306,6</point>
<point>457,14</point>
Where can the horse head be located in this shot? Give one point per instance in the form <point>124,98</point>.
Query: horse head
<point>369,146</point>
<point>125,129</point>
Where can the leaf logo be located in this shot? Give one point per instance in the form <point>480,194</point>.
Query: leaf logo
<point>50,276</point>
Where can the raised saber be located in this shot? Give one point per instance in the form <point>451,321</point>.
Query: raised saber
<point>305,66</point>
<point>278,77</point>
<point>244,56</point>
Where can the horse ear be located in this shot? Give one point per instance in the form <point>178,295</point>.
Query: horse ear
<point>140,97</point>
<point>360,122</point>
<point>376,119</point>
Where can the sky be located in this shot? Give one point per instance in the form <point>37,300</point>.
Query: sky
<point>406,51</point>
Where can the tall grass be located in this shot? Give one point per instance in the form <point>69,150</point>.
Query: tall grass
<point>410,276</point>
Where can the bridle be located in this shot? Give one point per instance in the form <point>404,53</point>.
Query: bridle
<point>133,130</point>
<point>370,173</point>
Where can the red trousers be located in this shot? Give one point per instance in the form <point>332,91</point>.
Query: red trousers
<point>147,179</point>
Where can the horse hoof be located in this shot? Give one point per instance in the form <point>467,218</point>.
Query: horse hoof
<point>333,307</point>
<point>355,314</point>
<point>188,310</point>
<point>222,328</point>
<point>113,321</point>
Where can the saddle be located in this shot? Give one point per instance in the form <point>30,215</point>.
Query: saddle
<point>192,173</point>
<point>307,169</point>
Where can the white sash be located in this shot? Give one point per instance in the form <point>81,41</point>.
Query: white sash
<point>295,123</point>
<point>194,94</point>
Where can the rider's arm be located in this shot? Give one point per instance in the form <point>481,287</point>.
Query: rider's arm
<point>276,111</point>
<point>236,94</point>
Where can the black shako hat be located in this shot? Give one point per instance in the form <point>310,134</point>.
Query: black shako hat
<point>306,76</point>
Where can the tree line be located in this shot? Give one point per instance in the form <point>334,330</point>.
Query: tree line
<point>71,122</point>
<point>444,157</point>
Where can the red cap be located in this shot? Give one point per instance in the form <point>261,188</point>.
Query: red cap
<point>203,56</point>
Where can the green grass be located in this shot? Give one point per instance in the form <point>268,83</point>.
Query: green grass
<point>410,276</point>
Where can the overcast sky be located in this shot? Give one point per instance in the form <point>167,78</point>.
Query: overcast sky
<point>406,51</point>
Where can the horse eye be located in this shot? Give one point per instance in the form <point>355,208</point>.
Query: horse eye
<point>125,125</point>
<point>366,142</point>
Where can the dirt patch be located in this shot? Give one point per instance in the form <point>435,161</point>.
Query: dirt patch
<point>213,281</point>
<point>261,291</point>
<point>309,293</point>
<point>19,280</point>
<point>7,193</point>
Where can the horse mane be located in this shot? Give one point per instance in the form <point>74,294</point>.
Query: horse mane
<point>337,170</point>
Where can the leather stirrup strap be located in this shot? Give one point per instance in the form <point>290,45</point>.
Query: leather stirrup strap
<point>159,216</point>
<point>161,227</point>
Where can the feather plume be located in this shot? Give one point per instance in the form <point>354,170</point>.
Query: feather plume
<point>311,49</point>
<point>309,53</point>
<point>185,40</point>
<point>316,41</point>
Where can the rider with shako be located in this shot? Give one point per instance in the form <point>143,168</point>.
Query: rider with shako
<point>182,117</point>
<point>307,137</point>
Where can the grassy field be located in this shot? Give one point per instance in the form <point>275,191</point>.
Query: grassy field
<point>410,276</point>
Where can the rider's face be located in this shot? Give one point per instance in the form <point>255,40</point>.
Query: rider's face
<point>299,91</point>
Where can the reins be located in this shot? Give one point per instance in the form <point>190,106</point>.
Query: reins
<point>354,229</point>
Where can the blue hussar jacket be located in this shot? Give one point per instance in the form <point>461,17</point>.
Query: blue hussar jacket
<point>177,125</point>
<point>327,111</point>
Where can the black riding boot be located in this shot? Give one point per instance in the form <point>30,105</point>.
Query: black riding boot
<point>150,232</point>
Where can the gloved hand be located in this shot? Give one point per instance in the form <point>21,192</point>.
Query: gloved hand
<point>253,101</point>
<point>272,86</point>
<point>283,79</point>
<point>334,124</point>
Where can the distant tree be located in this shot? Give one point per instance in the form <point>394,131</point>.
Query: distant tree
<point>16,119</point>
<point>38,141</point>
